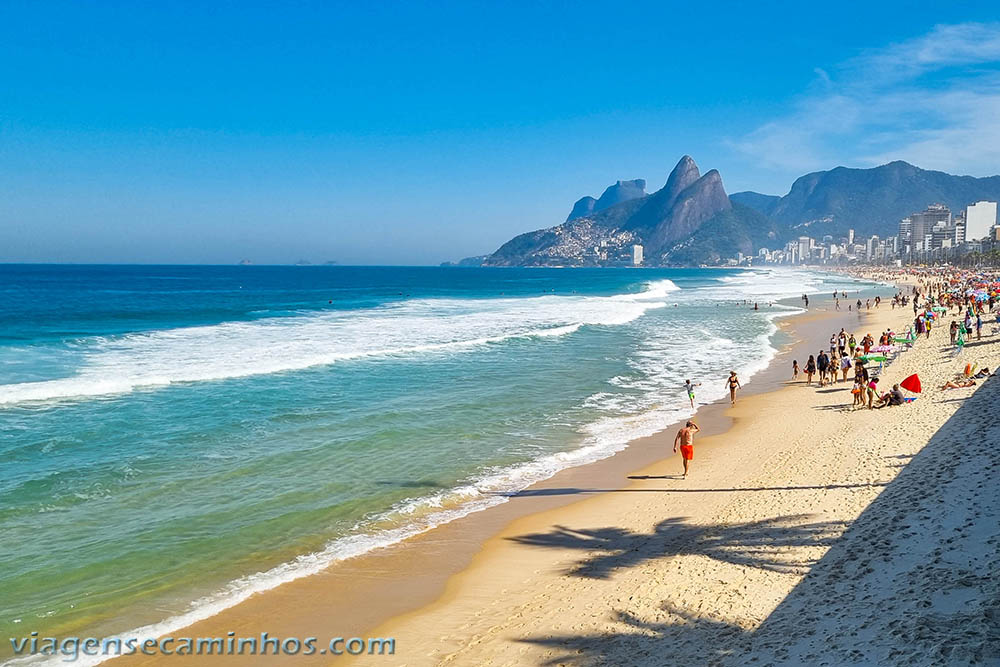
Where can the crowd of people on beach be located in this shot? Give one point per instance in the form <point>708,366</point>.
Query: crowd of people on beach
<point>974,296</point>
<point>847,354</point>
<point>933,293</point>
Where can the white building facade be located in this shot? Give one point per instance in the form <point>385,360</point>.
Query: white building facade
<point>980,219</point>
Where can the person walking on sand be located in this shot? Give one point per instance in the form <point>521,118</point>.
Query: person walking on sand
<point>685,440</point>
<point>734,384</point>
<point>822,362</point>
<point>689,387</point>
<point>810,369</point>
<point>795,369</point>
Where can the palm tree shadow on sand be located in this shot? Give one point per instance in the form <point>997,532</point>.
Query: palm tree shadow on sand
<point>646,642</point>
<point>762,544</point>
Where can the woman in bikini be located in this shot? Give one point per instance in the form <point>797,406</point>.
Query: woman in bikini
<point>734,384</point>
<point>951,384</point>
<point>810,369</point>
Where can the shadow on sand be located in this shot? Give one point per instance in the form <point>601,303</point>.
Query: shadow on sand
<point>747,544</point>
<point>572,490</point>
<point>830,617</point>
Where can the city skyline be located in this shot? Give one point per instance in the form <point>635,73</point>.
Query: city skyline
<point>934,234</point>
<point>418,134</point>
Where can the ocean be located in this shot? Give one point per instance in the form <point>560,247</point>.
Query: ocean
<point>175,438</point>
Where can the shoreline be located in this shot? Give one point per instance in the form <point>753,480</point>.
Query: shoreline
<point>789,549</point>
<point>367,591</point>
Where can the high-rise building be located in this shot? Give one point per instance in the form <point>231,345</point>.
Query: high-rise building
<point>940,233</point>
<point>870,247</point>
<point>980,219</point>
<point>923,222</point>
<point>850,236</point>
<point>636,255</point>
<point>906,231</point>
<point>805,244</point>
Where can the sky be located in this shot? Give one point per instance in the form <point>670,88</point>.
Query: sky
<point>414,133</point>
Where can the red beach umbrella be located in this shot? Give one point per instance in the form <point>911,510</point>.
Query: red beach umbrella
<point>911,383</point>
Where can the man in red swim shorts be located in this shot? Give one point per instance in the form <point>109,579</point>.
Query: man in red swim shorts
<point>685,439</point>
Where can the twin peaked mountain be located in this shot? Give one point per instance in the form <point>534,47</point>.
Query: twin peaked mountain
<point>690,220</point>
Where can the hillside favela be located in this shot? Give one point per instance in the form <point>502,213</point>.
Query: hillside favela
<point>499,334</point>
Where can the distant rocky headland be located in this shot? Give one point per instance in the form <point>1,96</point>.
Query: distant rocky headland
<point>691,220</point>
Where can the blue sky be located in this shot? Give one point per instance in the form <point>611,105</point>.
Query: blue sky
<point>412,133</point>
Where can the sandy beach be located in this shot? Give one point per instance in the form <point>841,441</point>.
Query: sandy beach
<point>808,533</point>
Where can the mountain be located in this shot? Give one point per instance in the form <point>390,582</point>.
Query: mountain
<point>659,204</point>
<point>583,207</point>
<point>872,201</point>
<point>691,220</point>
<point>761,203</point>
<point>694,205</point>
<point>466,261</point>
<point>666,223</point>
<point>741,229</point>
<point>614,194</point>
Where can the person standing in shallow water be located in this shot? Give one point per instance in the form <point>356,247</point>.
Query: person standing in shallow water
<point>689,387</point>
<point>734,384</point>
<point>685,440</point>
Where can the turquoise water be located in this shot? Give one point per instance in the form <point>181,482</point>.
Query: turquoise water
<point>175,438</point>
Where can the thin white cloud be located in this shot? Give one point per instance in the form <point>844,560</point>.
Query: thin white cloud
<point>933,101</point>
<point>824,77</point>
<point>944,46</point>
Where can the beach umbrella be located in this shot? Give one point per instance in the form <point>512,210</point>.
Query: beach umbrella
<point>873,357</point>
<point>911,383</point>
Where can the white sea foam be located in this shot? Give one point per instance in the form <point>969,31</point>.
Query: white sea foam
<point>121,364</point>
